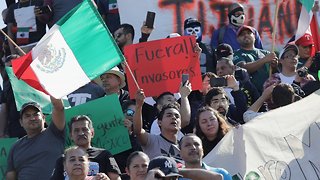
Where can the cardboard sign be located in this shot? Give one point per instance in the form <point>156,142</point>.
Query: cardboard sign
<point>107,118</point>
<point>158,65</point>
<point>5,146</point>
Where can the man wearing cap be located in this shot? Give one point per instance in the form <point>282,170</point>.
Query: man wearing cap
<point>113,81</point>
<point>166,168</point>
<point>289,72</point>
<point>208,62</point>
<point>192,154</point>
<point>34,155</point>
<point>228,34</point>
<point>307,56</point>
<point>254,60</point>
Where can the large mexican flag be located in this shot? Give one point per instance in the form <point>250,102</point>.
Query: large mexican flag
<point>77,49</point>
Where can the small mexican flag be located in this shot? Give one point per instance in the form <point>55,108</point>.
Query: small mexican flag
<point>113,6</point>
<point>22,36</point>
<point>73,52</point>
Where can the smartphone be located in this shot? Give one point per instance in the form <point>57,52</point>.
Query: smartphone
<point>150,19</point>
<point>45,9</point>
<point>218,82</point>
<point>185,77</point>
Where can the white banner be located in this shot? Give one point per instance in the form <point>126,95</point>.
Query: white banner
<point>170,15</point>
<point>281,144</point>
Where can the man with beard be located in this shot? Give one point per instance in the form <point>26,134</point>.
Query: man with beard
<point>218,100</point>
<point>228,34</point>
<point>254,60</point>
<point>192,153</point>
<point>81,132</point>
<point>208,62</point>
<point>124,35</point>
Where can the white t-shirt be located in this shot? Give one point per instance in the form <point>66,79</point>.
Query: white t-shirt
<point>286,79</point>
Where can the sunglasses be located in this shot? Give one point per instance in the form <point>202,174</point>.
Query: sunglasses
<point>130,112</point>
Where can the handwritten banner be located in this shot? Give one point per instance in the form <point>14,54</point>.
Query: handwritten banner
<point>158,65</point>
<point>280,144</point>
<point>24,93</point>
<point>170,16</point>
<point>107,117</point>
<point>5,146</point>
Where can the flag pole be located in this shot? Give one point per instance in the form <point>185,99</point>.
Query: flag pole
<point>134,79</point>
<point>13,42</point>
<point>274,32</point>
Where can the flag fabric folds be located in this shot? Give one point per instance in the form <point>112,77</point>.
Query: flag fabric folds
<point>77,49</point>
<point>305,17</point>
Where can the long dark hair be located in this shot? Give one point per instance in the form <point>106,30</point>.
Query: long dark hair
<point>223,126</point>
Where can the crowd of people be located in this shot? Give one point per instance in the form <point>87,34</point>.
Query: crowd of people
<point>169,134</point>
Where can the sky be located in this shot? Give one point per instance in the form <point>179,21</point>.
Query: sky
<point>2,7</point>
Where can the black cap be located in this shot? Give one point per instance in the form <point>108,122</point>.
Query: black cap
<point>30,104</point>
<point>224,50</point>
<point>288,47</point>
<point>166,164</point>
<point>191,22</point>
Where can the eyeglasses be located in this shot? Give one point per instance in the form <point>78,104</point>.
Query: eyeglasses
<point>130,112</point>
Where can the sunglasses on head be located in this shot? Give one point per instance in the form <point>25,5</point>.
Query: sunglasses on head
<point>130,112</point>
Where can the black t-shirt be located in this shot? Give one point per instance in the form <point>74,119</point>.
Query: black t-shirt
<point>103,157</point>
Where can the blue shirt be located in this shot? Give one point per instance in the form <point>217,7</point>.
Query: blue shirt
<point>223,172</point>
<point>230,37</point>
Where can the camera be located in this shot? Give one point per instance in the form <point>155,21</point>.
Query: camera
<point>302,72</point>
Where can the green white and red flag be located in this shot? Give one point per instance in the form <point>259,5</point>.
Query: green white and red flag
<point>77,49</point>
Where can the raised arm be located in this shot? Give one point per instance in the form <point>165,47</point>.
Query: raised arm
<point>58,113</point>
<point>137,119</point>
<point>185,109</point>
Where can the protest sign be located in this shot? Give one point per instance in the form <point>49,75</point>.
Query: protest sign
<point>5,146</point>
<point>280,144</point>
<point>158,65</point>
<point>170,16</point>
<point>24,93</point>
<point>107,118</point>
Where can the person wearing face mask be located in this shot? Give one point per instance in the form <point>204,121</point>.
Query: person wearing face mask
<point>228,34</point>
<point>208,62</point>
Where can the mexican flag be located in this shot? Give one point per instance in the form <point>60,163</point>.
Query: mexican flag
<point>73,52</point>
<point>305,17</point>
<point>113,6</point>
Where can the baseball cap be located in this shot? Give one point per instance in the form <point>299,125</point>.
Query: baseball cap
<point>224,50</point>
<point>305,40</point>
<point>190,22</point>
<point>166,164</point>
<point>29,104</point>
<point>235,7</point>
<point>244,27</point>
<point>288,47</point>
